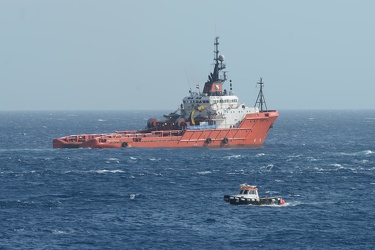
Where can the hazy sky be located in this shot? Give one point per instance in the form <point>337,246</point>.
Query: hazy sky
<point>142,55</point>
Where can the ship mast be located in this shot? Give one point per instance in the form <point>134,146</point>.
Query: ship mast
<point>261,101</point>
<point>213,86</point>
<point>218,61</point>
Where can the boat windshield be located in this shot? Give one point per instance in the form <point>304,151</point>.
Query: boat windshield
<point>247,192</point>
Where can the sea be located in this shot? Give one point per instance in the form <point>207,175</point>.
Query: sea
<point>322,162</point>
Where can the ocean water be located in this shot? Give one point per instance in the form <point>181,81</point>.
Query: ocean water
<point>321,162</point>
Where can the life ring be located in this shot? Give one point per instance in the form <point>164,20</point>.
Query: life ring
<point>225,140</point>
<point>124,145</point>
<point>208,140</point>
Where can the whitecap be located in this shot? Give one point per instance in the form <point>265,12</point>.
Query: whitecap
<point>101,120</point>
<point>259,155</point>
<point>292,204</point>
<point>108,171</point>
<point>294,156</point>
<point>311,158</point>
<point>112,159</point>
<point>365,152</point>
<point>155,159</point>
<point>232,156</point>
<point>320,170</point>
<point>58,232</point>
<point>205,172</point>
<point>335,165</point>
<point>268,167</point>
<point>132,196</point>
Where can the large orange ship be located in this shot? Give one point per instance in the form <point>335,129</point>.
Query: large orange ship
<point>211,118</point>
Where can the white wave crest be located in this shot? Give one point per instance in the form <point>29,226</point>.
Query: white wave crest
<point>102,171</point>
<point>364,152</point>
<point>309,158</point>
<point>259,155</point>
<point>59,232</point>
<point>232,156</point>
<point>205,172</point>
<point>155,159</point>
<point>336,165</point>
<point>132,196</point>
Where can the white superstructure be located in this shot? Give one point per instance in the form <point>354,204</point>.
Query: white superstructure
<point>223,111</point>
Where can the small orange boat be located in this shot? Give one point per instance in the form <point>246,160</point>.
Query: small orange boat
<point>211,118</point>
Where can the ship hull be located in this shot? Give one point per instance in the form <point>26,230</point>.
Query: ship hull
<point>251,132</point>
<point>235,200</point>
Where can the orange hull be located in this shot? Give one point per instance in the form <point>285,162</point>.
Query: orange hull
<point>212,118</point>
<point>250,133</point>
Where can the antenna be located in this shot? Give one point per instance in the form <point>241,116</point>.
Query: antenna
<point>261,101</point>
<point>215,24</point>
<point>187,77</point>
<point>214,14</point>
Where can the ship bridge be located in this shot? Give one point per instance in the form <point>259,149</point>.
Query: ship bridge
<point>215,105</point>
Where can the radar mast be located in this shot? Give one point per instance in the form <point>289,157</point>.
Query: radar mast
<point>213,86</point>
<point>261,101</point>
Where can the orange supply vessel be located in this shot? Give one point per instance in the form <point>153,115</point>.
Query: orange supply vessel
<point>211,118</point>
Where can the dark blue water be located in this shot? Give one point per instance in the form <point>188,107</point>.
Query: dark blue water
<point>321,162</point>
